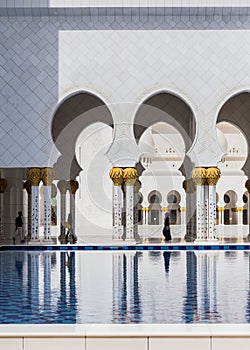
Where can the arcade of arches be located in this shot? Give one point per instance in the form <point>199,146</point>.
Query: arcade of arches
<point>204,203</point>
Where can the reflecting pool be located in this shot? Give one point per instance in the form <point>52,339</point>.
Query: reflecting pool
<point>124,287</point>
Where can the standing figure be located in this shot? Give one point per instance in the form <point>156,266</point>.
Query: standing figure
<point>166,229</point>
<point>19,227</point>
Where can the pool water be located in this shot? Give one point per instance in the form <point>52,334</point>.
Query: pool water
<point>124,287</point>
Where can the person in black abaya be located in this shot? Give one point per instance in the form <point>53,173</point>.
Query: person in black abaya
<point>166,229</point>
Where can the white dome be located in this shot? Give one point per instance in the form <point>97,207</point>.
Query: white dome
<point>146,143</point>
<point>222,140</point>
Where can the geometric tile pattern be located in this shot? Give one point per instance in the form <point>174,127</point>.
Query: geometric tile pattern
<point>29,62</point>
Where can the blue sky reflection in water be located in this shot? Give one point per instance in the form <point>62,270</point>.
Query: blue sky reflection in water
<point>125,287</point>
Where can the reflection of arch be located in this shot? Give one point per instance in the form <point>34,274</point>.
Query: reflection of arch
<point>230,214</point>
<point>154,217</point>
<point>73,115</point>
<point>169,108</point>
<point>173,199</point>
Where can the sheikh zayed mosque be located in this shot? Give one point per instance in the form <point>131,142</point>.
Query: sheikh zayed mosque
<point>114,113</point>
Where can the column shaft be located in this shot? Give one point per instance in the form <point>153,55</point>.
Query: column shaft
<point>212,212</point>
<point>35,213</point>
<point>129,212</point>
<point>117,201</point>
<point>47,212</point>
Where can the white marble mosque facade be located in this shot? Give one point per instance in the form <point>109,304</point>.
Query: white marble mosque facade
<point>82,88</point>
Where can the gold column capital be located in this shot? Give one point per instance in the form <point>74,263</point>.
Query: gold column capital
<point>247,185</point>
<point>130,175</point>
<point>47,176</point>
<point>213,175</point>
<point>3,185</point>
<point>221,209</point>
<point>27,186</point>
<point>74,185</point>
<point>34,176</point>
<point>116,175</point>
<point>145,209</point>
<point>182,209</point>
<point>63,186</point>
<point>164,209</point>
<point>239,209</point>
<point>199,176</point>
<point>189,185</point>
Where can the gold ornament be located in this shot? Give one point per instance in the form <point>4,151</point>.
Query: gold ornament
<point>34,176</point>
<point>74,185</point>
<point>47,176</point>
<point>182,209</point>
<point>130,175</point>
<point>27,186</point>
<point>63,186</point>
<point>247,185</point>
<point>145,209</point>
<point>213,175</point>
<point>116,175</point>
<point>221,209</point>
<point>164,209</point>
<point>3,185</point>
<point>199,176</point>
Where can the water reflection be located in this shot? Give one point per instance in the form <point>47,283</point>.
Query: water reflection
<point>166,257</point>
<point>125,287</point>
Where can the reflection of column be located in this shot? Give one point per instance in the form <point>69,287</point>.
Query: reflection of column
<point>27,186</point>
<point>189,187</point>
<point>33,281</point>
<point>34,176</point>
<point>206,288</point>
<point>247,185</point>
<point>3,186</point>
<point>47,284</point>
<point>119,286</point>
<point>63,187</point>
<point>130,176</point>
<point>74,185</point>
<point>190,300</point>
<point>116,175</point>
<point>47,176</point>
<point>213,175</point>
<point>199,177</point>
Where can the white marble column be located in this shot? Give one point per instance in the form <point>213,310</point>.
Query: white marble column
<point>213,175</point>
<point>63,187</point>
<point>130,176</point>
<point>183,216</point>
<point>27,186</point>
<point>190,213</point>
<point>47,176</point>
<point>116,175</point>
<point>199,178</point>
<point>34,176</point>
